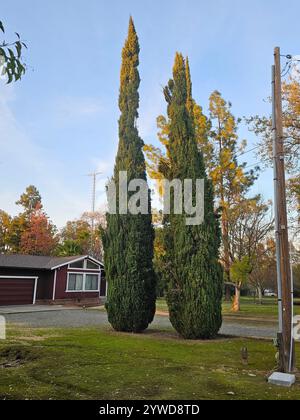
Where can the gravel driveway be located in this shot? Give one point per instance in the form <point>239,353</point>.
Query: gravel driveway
<point>94,318</point>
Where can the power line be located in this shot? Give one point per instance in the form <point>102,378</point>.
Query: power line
<point>254,164</point>
<point>287,71</point>
<point>288,65</point>
<point>285,67</point>
<point>248,151</point>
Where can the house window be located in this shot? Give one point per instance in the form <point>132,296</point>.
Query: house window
<point>83,282</point>
<point>92,282</point>
<point>85,265</point>
<point>75,282</point>
<point>77,264</point>
<point>91,266</point>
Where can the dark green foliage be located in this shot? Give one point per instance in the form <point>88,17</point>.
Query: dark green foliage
<point>128,239</point>
<point>195,280</point>
<point>11,63</point>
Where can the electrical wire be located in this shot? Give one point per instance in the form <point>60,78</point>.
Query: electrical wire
<point>254,164</point>
<point>288,65</point>
<point>248,151</point>
<point>285,67</point>
<point>287,71</point>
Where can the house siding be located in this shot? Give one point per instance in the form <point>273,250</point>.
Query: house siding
<point>61,286</point>
<point>45,279</point>
<point>45,285</point>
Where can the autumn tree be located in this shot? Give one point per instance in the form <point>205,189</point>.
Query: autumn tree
<point>249,229</point>
<point>39,237</point>
<point>82,236</point>
<point>5,231</point>
<point>17,227</point>
<point>262,127</point>
<point>240,271</point>
<point>263,274</point>
<point>229,177</point>
<point>14,227</point>
<point>97,222</point>
<point>74,238</point>
<point>30,200</point>
<point>128,238</point>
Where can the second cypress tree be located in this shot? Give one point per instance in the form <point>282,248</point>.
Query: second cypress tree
<point>195,282</point>
<point>128,239</point>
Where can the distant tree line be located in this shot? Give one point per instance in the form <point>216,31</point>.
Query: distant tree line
<point>31,232</point>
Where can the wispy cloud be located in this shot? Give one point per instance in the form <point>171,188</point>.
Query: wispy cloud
<point>23,162</point>
<point>69,107</point>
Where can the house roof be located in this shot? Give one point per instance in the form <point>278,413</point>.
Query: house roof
<point>38,262</point>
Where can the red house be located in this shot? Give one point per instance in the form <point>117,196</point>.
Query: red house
<point>27,279</point>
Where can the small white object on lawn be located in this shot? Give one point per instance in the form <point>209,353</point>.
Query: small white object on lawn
<point>282,379</point>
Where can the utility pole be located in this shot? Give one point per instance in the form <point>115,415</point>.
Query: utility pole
<point>94,176</point>
<point>285,289</point>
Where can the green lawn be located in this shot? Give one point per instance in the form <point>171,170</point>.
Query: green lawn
<point>249,308</point>
<point>101,364</point>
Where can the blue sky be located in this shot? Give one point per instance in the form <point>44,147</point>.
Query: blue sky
<point>60,122</point>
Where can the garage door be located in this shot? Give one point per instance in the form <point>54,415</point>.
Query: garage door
<point>16,291</point>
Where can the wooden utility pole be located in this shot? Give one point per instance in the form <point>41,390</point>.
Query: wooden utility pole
<point>286,340</point>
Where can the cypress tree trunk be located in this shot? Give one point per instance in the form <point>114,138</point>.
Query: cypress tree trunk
<point>195,283</point>
<point>128,240</point>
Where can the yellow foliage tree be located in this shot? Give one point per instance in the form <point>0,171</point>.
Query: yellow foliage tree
<point>262,127</point>
<point>219,143</point>
<point>229,177</point>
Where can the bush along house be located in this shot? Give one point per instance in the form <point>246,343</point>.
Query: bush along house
<point>27,279</point>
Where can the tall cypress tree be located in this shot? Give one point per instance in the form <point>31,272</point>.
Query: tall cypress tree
<point>128,240</point>
<point>195,285</point>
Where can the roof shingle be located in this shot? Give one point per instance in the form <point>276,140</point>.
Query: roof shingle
<point>36,262</point>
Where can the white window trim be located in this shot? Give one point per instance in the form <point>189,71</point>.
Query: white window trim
<point>79,259</point>
<point>83,283</point>
<point>54,285</point>
<point>85,268</point>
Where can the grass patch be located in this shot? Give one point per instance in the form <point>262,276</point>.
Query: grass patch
<point>101,364</point>
<point>14,356</point>
<point>250,308</point>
